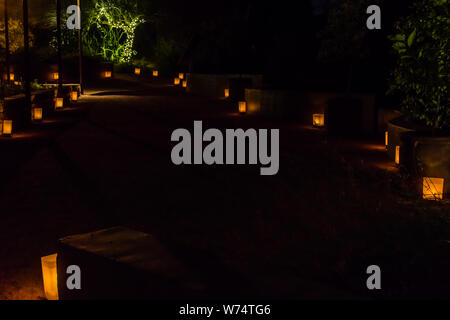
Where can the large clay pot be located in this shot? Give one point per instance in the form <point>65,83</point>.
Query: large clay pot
<point>431,158</point>
<point>398,129</point>
<point>423,152</point>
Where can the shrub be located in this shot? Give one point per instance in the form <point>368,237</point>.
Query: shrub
<point>167,53</point>
<point>421,75</point>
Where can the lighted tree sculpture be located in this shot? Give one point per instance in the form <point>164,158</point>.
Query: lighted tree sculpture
<point>111,29</point>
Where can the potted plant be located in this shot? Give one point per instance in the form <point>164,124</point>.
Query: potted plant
<point>421,78</point>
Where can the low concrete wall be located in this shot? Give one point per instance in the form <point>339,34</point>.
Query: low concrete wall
<point>272,103</point>
<point>214,85</point>
<point>121,263</point>
<point>304,105</point>
<point>15,110</point>
<point>384,116</point>
<point>421,153</point>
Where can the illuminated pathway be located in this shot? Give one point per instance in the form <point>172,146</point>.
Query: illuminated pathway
<point>245,235</point>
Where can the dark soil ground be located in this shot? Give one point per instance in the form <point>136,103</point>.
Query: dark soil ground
<point>335,207</point>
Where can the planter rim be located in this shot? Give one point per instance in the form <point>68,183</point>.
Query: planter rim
<point>435,139</point>
<point>402,122</point>
<point>419,130</point>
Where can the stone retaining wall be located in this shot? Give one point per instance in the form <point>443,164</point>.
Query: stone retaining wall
<point>276,103</point>
<point>214,85</point>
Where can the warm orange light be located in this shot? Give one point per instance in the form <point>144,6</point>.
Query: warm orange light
<point>59,103</point>
<point>11,76</point>
<point>433,188</point>
<point>242,106</point>
<point>36,114</point>
<point>397,155</point>
<point>74,96</point>
<point>184,83</point>
<point>227,93</point>
<point>16,83</point>
<point>181,76</point>
<point>7,127</point>
<point>155,73</point>
<point>318,120</point>
<point>386,138</point>
<point>50,276</point>
<point>176,81</point>
<point>108,74</point>
<point>55,75</point>
<point>137,71</point>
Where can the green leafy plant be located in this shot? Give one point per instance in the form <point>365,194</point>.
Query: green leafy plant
<point>35,85</point>
<point>421,75</point>
<point>167,52</point>
<point>47,29</point>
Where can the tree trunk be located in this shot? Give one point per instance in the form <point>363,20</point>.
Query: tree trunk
<point>7,41</point>
<point>80,50</point>
<point>3,94</point>
<point>59,40</point>
<point>26,61</point>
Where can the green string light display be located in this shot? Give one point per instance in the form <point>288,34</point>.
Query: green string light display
<point>116,27</point>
